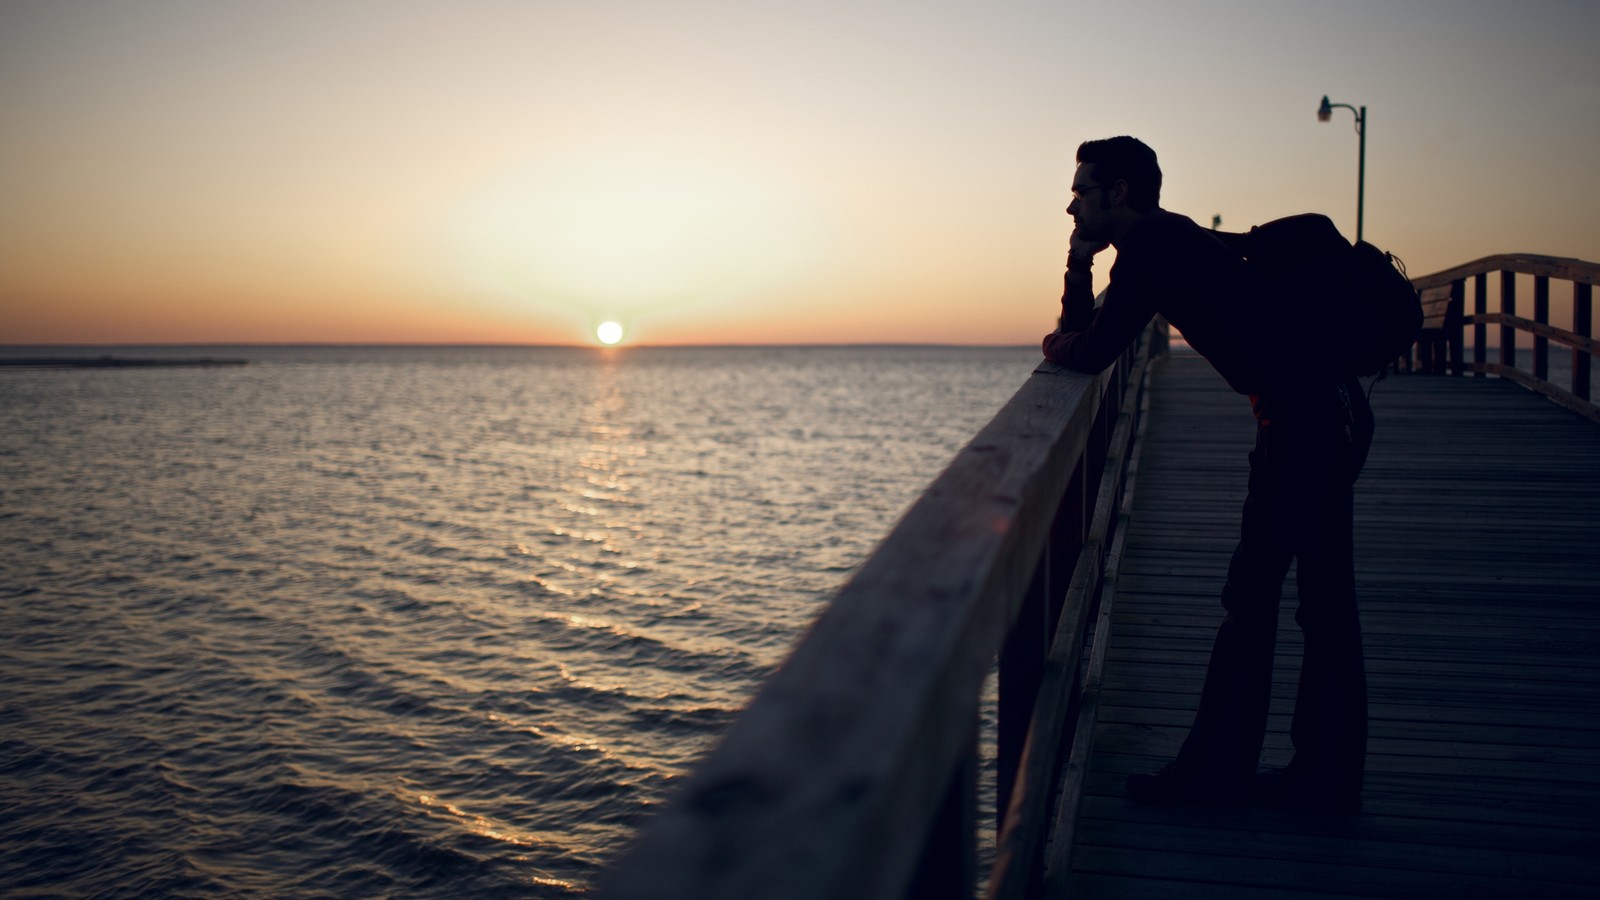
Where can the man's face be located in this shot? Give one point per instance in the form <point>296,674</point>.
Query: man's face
<point>1091,205</point>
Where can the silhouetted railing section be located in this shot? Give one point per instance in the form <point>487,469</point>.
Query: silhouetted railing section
<point>1442,347</point>
<point>852,773</point>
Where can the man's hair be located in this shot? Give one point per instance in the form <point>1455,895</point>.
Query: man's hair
<point>1130,160</point>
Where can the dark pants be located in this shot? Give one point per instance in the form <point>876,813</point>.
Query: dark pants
<point>1308,452</point>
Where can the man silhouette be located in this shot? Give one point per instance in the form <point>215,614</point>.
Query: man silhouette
<point>1311,434</point>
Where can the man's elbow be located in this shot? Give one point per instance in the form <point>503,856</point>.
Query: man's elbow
<point>1072,352</point>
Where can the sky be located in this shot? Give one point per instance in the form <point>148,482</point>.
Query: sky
<point>709,172</point>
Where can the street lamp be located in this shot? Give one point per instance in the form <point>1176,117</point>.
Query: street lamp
<point>1324,113</point>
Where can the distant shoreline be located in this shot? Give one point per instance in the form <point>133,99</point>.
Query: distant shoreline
<point>112,362</point>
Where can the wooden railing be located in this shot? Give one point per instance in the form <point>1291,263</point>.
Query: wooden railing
<point>1443,343</point>
<point>852,773</point>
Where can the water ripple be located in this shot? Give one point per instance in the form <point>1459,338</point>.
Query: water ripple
<point>423,623</point>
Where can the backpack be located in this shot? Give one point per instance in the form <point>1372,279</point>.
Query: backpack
<point>1353,302</point>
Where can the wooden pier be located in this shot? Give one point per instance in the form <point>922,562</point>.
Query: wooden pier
<point>1478,567</point>
<point>1078,545</point>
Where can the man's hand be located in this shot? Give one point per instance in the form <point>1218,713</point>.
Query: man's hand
<point>1055,342</point>
<point>1079,247</point>
<point>1077,292</point>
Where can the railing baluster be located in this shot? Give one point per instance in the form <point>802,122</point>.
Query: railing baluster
<point>1455,330</point>
<point>1067,535</point>
<point>1541,315</point>
<point>1582,325</point>
<point>1021,667</point>
<point>948,869</point>
<point>1508,332</point>
<point>1480,328</point>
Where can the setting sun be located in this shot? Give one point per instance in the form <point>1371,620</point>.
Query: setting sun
<point>622,229</point>
<point>608,333</point>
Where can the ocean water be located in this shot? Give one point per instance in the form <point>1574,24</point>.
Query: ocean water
<point>419,622</point>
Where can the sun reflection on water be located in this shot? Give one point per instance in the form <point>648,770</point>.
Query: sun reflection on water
<point>477,824</point>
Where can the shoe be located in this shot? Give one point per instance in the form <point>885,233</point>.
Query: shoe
<point>1177,784</point>
<point>1282,789</point>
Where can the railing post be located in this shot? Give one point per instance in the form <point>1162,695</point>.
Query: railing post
<point>1582,325</point>
<point>1094,455</point>
<point>1480,328</point>
<point>1455,330</point>
<point>1021,668</point>
<point>1066,537</point>
<point>948,869</point>
<point>1541,315</point>
<point>1508,306</point>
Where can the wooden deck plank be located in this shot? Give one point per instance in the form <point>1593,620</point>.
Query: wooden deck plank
<point>1478,561</point>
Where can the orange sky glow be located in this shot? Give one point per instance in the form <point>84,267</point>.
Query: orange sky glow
<point>711,172</point>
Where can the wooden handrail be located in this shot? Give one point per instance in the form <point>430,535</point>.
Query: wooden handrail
<point>1442,347</point>
<point>1563,267</point>
<point>851,773</point>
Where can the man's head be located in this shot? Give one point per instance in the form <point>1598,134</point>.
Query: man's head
<point>1118,180</point>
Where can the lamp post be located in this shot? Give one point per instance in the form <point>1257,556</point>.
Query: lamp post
<point>1324,113</point>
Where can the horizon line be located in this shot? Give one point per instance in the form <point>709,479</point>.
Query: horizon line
<point>465,345</point>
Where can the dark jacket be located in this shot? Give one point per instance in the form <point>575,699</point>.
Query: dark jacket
<point>1167,264</point>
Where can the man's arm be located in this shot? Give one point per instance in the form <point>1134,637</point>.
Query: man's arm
<point>1090,339</point>
<point>1077,293</point>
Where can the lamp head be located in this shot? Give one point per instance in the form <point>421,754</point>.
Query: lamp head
<point>1325,111</point>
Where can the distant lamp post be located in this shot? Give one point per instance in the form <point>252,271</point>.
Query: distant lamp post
<point>1324,113</point>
